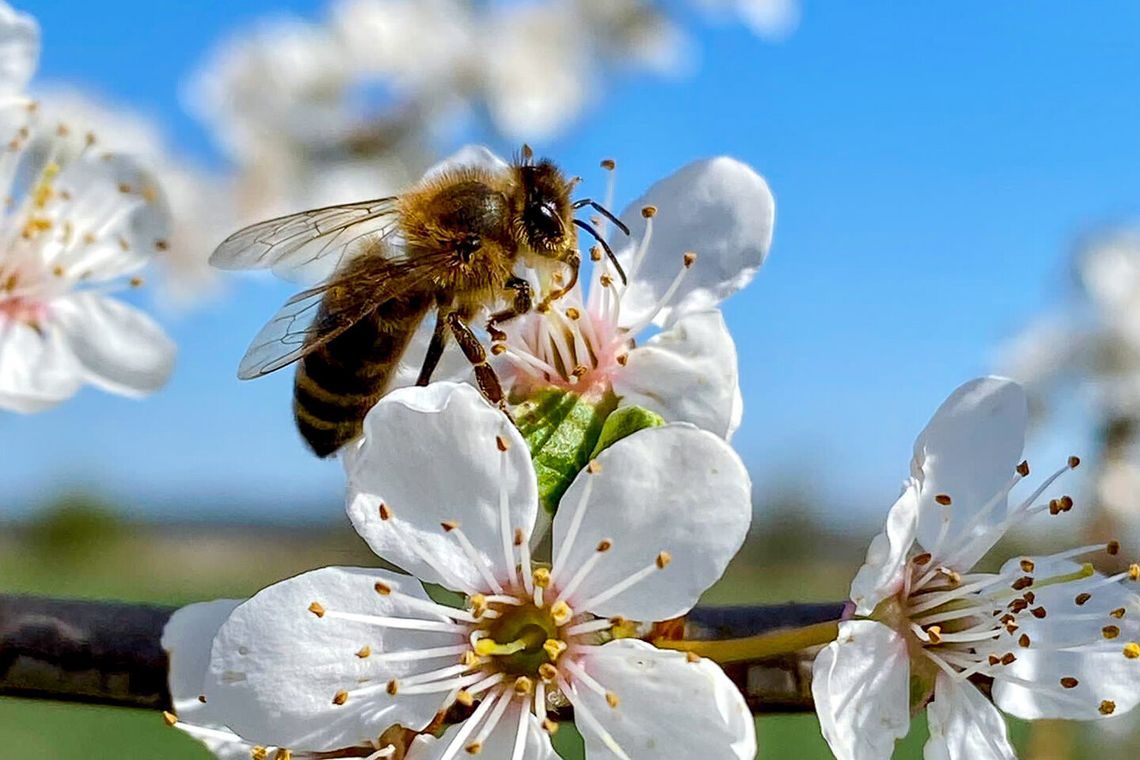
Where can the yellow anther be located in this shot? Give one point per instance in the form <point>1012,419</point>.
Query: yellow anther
<point>259,753</point>
<point>1134,572</point>
<point>596,254</point>
<point>464,698</point>
<point>1118,613</point>
<point>692,657</point>
<point>1027,566</point>
<point>1023,641</point>
<point>1023,468</point>
<point>622,359</point>
<point>547,672</point>
<point>573,313</point>
<point>1110,631</point>
<point>383,589</point>
<point>501,443</point>
<point>1107,707</point>
<point>169,718</point>
<point>1081,598</point>
<point>317,609</point>
<point>605,545</point>
<point>523,686</point>
<point>934,634</point>
<point>1074,462</point>
<point>1132,650</point>
<point>609,164</point>
<point>612,699</point>
<point>554,648</point>
<point>474,748</point>
<point>648,212</point>
<point>498,349</point>
<point>340,697</point>
<point>663,560</point>
<point>542,577</point>
<point>550,726</point>
<point>43,191</point>
<point>449,525</point>
<point>519,537</point>
<point>944,499</point>
<point>470,659</point>
<point>385,512</point>
<point>689,259</point>
<point>561,613</point>
<point>393,687</point>
<point>1112,548</point>
<point>593,467</point>
<point>283,754</point>
<point>1069,682</point>
<point>364,651</point>
<point>605,280</point>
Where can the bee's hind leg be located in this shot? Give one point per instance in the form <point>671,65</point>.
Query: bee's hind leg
<point>485,376</point>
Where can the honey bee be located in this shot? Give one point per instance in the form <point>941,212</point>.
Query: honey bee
<point>449,245</point>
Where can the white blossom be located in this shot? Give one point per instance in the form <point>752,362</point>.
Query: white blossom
<point>1055,638</point>
<point>79,223</point>
<point>338,655</point>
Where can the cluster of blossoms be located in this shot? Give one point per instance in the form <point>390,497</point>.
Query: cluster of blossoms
<point>79,223</point>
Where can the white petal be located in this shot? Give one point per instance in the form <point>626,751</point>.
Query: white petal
<point>968,451</point>
<point>469,156</point>
<point>499,745</point>
<point>37,369</point>
<point>964,725</point>
<point>860,683</point>
<point>19,49</point>
<point>667,706</point>
<point>675,489</point>
<point>718,208</point>
<point>188,638</point>
<point>275,666</point>
<point>430,455</point>
<point>120,349</point>
<point>117,216</point>
<point>884,571</point>
<point>687,373</point>
<point>1069,643</point>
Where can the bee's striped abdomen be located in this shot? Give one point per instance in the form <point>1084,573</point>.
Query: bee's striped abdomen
<point>339,382</point>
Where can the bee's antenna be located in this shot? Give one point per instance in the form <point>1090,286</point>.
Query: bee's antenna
<point>603,211</point>
<point>605,246</point>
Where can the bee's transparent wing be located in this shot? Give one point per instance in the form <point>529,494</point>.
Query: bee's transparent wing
<point>309,320</point>
<point>308,246</point>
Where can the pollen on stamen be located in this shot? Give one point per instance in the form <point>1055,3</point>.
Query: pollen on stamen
<point>383,589</point>
<point>1082,598</point>
<point>259,753</point>
<point>1107,707</point>
<point>498,349</point>
<point>1132,650</point>
<point>1027,566</point>
<point>689,259</point>
<point>520,537</point>
<point>593,467</point>
<point>648,212</point>
<point>523,686</point>
<point>612,699</point>
<point>561,613</point>
<point>393,687</point>
<point>1110,632</point>
<point>547,672</point>
<point>550,726</point>
<point>1134,572</point>
<point>542,577</point>
<point>478,605</point>
<point>554,648</point>
<point>1112,548</point>
<point>1038,612</point>
<point>136,282</point>
<point>1118,613</point>
<point>1022,583</point>
<point>605,281</point>
<point>340,697</point>
<point>934,635</point>
<point>202,698</point>
<point>474,748</point>
<point>663,560</point>
<point>501,443</point>
<point>464,698</point>
<point>922,559</point>
<point>1023,468</point>
<point>169,718</point>
<point>609,164</point>
<point>604,545</point>
<point>385,512</point>
<point>943,499</point>
<point>622,359</point>
<point>596,255</point>
<point>317,609</point>
<point>1069,682</point>
<point>692,657</point>
<point>1023,641</point>
<point>1074,462</point>
<point>449,525</point>
<point>364,652</point>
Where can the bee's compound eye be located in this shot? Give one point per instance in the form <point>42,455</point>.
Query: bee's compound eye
<point>467,247</point>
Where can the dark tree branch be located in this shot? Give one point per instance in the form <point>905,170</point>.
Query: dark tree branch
<point>110,653</point>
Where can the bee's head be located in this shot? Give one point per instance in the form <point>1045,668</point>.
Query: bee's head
<point>545,215</point>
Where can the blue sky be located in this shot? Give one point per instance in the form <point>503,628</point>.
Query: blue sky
<point>931,171</point>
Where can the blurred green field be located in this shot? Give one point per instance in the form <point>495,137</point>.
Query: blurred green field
<point>81,552</point>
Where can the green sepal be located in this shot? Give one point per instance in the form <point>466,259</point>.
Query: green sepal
<point>562,430</point>
<point>625,421</point>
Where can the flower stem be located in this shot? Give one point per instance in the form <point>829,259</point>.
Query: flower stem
<point>758,647</point>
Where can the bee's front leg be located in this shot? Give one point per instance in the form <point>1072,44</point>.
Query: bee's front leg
<point>574,261</point>
<point>523,300</point>
<point>434,350</point>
